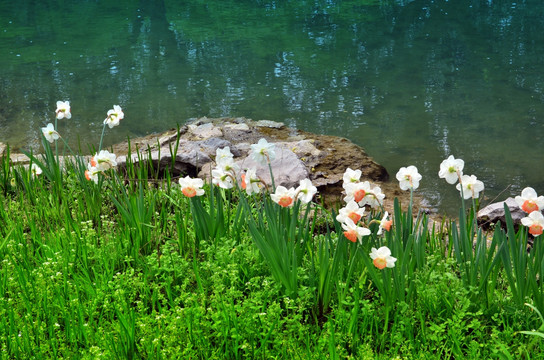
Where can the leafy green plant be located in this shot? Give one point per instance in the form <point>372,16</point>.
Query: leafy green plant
<point>522,265</point>
<point>281,235</point>
<point>209,225</point>
<point>333,261</point>
<point>540,331</point>
<point>6,183</point>
<point>136,211</point>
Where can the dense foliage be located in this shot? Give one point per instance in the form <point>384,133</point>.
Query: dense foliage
<point>129,267</point>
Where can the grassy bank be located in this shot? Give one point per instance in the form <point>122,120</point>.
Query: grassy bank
<point>129,267</point>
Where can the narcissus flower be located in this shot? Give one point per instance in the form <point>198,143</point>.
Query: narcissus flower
<point>354,232</point>
<point>263,152</point>
<point>529,201</point>
<point>356,191</point>
<point>50,133</point>
<point>283,197</point>
<point>115,115</point>
<point>375,197</point>
<point>451,169</point>
<point>408,178</point>
<point>382,258</point>
<point>364,193</point>
<point>535,222</point>
<point>223,156</point>
<point>471,186</point>
<point>35,170</point>
<point>385,224</point>
<point>229,166</point>
<point>92,173</point>
<point>104,160</point>
<point>222,178</point>
<point>350,211</point>
<point>191,187</point>
<point>63,110</point>
<point>251,182</point>
<point>305,191</point>
<point>351,176</point>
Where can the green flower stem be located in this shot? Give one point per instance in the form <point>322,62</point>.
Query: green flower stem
<point>271,175</point>
<point>411,198</point>
<point>102,137</point>
<point>56,145</point>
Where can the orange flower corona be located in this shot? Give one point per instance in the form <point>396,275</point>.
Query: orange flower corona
<point>354,217</point>
<point>529,206</point>
<point>285,201</point>
<point>243,184</point>
<point>351,235</point>
<point>535,230</point>
<point>387,225</point>
<point>359,195</point>
<point>189,191</point>
<point>380,263</point>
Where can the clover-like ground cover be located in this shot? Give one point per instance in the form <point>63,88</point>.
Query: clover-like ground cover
<point>121,271</point>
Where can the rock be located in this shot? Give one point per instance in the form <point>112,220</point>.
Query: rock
<point>321,158</point>
<point>189,157</point>
<point>205,131</point>
<point>270,124</point>
<point>287,168</point>
<point>236,127</point>
<point>19,159</point>
<point>492,213</point>
<point>3,148</point>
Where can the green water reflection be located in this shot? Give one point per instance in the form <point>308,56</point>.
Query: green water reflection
<point>410,81</point>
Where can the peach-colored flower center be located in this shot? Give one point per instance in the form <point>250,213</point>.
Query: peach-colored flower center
<point>535,229</point>
<point>359,195</point>
<point>243,185</point>
<point>386,225</point>
<point>87,175</point>
<point>529,206</point>
<point>380,263</point>
<point>285,201</point>
<point>351,235</point>
<point>189,191</point>
<point>93,161</point>
<point>354,217</point>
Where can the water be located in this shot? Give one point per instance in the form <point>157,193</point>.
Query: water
<point>410,81</point>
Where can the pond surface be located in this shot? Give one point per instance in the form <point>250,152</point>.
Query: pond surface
<point>410,81</point>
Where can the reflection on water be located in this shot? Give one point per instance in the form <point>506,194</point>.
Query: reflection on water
<point>410,81</point>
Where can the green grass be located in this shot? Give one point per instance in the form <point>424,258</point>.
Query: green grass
<point>125,269</point>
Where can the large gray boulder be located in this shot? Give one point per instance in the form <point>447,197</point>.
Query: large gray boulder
<point>493,213</point>
<point>287,167</point>
<point>299,155</point>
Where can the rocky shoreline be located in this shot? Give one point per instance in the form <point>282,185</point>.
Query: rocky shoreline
<point>323,159</point>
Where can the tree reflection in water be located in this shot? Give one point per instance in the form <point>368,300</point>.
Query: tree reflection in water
<point>411,81</point>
